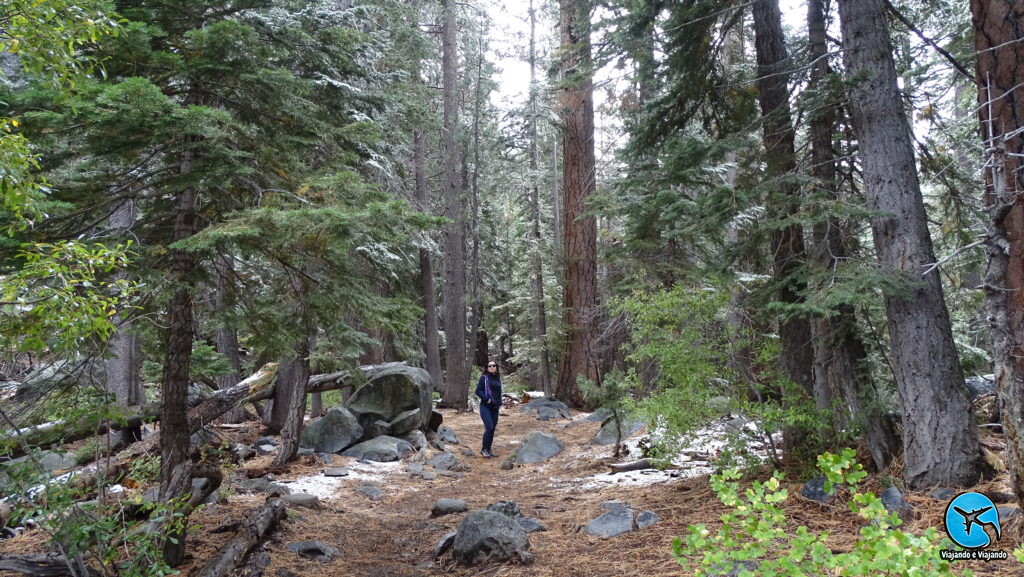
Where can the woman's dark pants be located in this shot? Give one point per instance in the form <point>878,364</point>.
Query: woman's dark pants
<point>489,414</point>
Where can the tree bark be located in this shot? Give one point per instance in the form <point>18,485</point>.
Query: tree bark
<point>787,242</point>
<point>254,527</point>
<point>431,348</point>
<point>294,376</point>
<point>476,308</point>
<point>227,338</point>
<point>579,355</point>
<point>174,438</point>
<point>940,440</point>
<point>999,46</point>
<point>840,355</point>
<point>540,323</point>
<point>456,393</point>
<point>41,565</point>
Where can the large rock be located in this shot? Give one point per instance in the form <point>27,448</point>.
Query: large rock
<point>546,406</point>
<point>447,506</point>
<point>599,415</point>
<point>535,447</point>
<point>606,436</point>
<point>316,550</point>
<point>410,420</point>
<point>612,523</point>
<point>333,432</point>
<point>893,501</point>
<point>416,438</point>
<point>380,449</point>
<point>390,395</point>
<point>814,489</point>
<point>444,461</point>
<point>489,537</point>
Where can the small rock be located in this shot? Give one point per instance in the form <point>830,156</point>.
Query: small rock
<point>893,501</point>
<point>439,445</point>
<point>506,508</point>
<point>302,500</point>
<point>606,435</point>
<point>326,458</point>
<point>613,523</point>
<point>266,441</point>
<point>646,519</point>
<point>425,566</point>
<point>443,462</point>
<point>265,449</point>
<point>416,438</point>
<point>243,452</point>
<point>468,452</point>
<point>444,544</point>
<point>814,490</point>
<point>448,506</point>
<point>489,537</point>
<point>529,524</point>
<point>316,550</point>
<point>447,435</point>
<point>599,415</point>
<point>427,476</point>
<point>382,449</point>
<point>372,493</point>
<point>535,447</point>
<point>336,472</point>
<point>943,494</point>
<point>1001,498</point>
<point>414,468</point>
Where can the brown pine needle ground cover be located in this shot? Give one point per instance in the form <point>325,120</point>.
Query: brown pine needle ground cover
<point>395,536</point>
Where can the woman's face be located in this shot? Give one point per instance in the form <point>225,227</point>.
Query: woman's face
<point>492,368</point>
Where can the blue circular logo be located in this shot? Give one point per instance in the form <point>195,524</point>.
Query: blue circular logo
<point>972,520</point>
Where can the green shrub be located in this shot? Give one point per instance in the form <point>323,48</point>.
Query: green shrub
<point>755,530</point>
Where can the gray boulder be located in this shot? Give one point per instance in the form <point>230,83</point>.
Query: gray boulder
<point>606,436</point>
<point>488,537</point>
<point>548,414</point>
<point>376,428</point>
<point>894,502</point>
<point>445,434</point>
<point>380,449</point>
<point>416,438</point>
<point>612,523</point>
<point>390,394</point>
<point>443,461</point>
<point>410,420</point>
<point>336,472</point>
<point>372,493</point>
<point>535,447</point>
<point>530,524</point>
<point>316,550</point>
<point>943,494</point>
<point>506,508</point>
<point>551,404</point>
<point>333,432</point>
<point>646,519</point>
<point>447,507</point>
<point>302,500</point>
<point>814,490</point>
<point>444,544</point>
<point>599,415</point>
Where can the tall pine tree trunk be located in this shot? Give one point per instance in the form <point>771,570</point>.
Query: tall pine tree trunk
<point>840,362</point>
<point>576,100</point>
<point>476,308</point>
<point>294,376</point>
<point>227,337</point>
<point>174,434</point>
<point>540,323</point>
<point>456,393</point>
<point>431,347</point>
<point>940,439</point>
<point>787,243</point>
<point>124,363</point>
<point>999,45</point>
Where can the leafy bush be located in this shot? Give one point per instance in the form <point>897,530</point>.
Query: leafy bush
<point>754,534</point>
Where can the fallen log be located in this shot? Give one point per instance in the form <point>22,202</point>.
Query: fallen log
<point>42,565</point>
<point>253,528</point>
<point>634,466</point>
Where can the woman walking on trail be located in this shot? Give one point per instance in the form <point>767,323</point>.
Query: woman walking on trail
<point>488,389</point>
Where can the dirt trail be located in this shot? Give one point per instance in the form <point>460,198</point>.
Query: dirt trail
<point>395,536</point>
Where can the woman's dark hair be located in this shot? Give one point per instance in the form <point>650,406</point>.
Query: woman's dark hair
<point>497,369</point>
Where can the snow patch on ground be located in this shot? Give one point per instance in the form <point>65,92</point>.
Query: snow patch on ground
<point>325,487</point>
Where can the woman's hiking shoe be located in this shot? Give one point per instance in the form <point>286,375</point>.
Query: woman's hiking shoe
<point>486,454</point>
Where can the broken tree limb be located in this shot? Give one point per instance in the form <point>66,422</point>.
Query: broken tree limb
<point>635,466</point>
<point>253,528</point>
<point>40,565</point>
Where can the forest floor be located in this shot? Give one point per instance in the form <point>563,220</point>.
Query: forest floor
<point>396,536</point>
